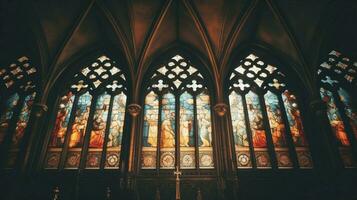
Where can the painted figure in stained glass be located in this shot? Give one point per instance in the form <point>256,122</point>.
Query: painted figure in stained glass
<point>151,119</point>
<point>168,121</point>
<point>80,123</point>
<point>351,114</point>
<point>23,119</point>
<point>186,120</point>
<point>7,115</point>
<point>99,122</point>
<point>256,120</point>
<point>204,120</point>
<point>238,122</point>
<point>294,119</point>
<point>334,117</point>
<point>275,119</point>
<point>62,120</point>
<point>117,121</point>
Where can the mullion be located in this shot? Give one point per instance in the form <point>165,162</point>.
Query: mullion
<point>87,133</point>
<point>249,132</point>
<point>65,146</point>
<point>290,142</point>
<point>158,144</point>
<point>348,129</point>
<point>107,132</point>
<point>177,131</point>
<point>195,131</point>
<point>269,140</point>
<point>5,146</point>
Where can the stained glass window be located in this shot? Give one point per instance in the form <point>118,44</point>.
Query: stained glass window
<point>18,85</point>
<point>88,129</point>
<point>177,129</point>
<point>266,121</point>
<point>337,83</point>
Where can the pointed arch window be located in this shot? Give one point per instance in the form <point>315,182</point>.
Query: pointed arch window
<point>88,128</point>
<point>337,86</point>
<point>18,83</point>
<point>177,129</point>
<point>266,120</point>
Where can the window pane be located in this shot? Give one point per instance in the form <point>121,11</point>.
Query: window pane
<point>78,130</point>
<point>20,129</point>
<point>7,115</point>
<point>241,140</point>
<point>116,131</point>
<point>187,140</point>
<point>338,127</point>
<point>277,129</point>
<point>59,131</point>
<point>258,132</point>
<point>350,112</point>
<point>167,142</point>
<point>150,130</point>
<point>204,131</point>
<point>97,133</point>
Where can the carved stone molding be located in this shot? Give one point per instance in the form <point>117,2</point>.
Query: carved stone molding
<point>40,109</point>
<point>220,109</point>
<point>134,109</point>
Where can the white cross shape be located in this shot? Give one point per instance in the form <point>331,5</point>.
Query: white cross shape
<point>276,84</point>
<point>329,80</point>
<point>241,84</point>
<point>194,85</point>
<point>79,86</point>
<point>114,86</point>
<point>160,85</point>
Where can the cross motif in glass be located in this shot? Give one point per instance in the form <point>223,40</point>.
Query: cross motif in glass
<point>160,85</point>
<point>194,85</point>
<point>241,84</point>
<point>114,86</point>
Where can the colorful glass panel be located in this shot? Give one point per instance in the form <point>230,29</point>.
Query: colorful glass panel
<point>167,132</point>
<point>187,140</point>
<point>204,131</point>
<point>62,119</point>
<point>116,131</point>
<point>277,129</point>
<point>150,131</point>
<point>296,129</point>
<point>7,115</point>
<point>334,116</point>
<point>78,130</point>
<point>240,135</point>
<point>350,112</point>
<point>97,133</point>
<point>258,131</point>
<point>23,120</point>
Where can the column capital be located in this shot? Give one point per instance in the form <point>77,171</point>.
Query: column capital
<point>220,109</point>
<point>40,109</point>
<point>134,109</point>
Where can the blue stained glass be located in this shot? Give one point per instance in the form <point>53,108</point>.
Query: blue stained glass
<point>168,121</point>
<point>350,112</point>
<point>80,123</point>
<point>62,119</point>
<point>23,120</point>
<point>99,121</point>
<point>334,116</point>
<point>238,120</point>
<point>186,120</point>
<point>7,115</point>
<point>151,117</point>
<point>275,119</point>
<point>204,120</point>
<point>117,121</point>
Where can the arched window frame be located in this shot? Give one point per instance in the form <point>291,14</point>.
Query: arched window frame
<point>280,74</point>
<point>18,81</point>
<point>338,73</point>
<point>120,78</point>
<point>147,88</point>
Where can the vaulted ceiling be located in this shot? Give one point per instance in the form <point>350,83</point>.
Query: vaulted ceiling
<point>54,32</point>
